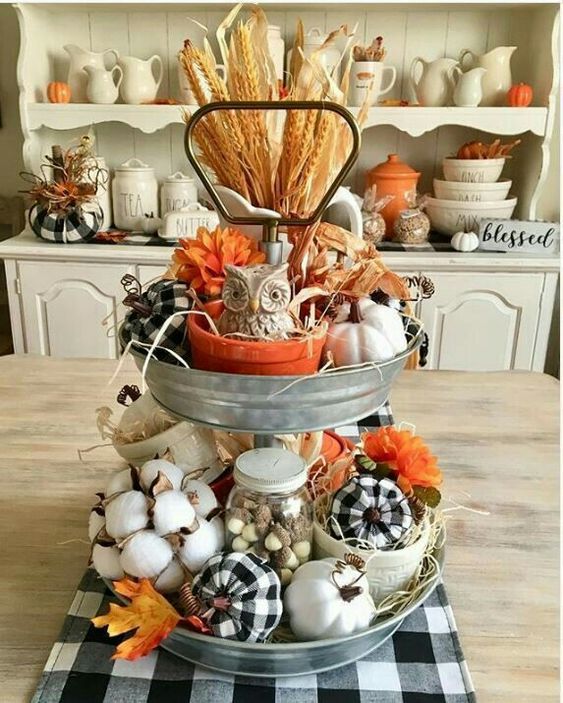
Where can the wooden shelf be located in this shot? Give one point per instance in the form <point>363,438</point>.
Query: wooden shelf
<point>415,121</point>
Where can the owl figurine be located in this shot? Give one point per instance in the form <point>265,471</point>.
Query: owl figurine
<point>256,300</point>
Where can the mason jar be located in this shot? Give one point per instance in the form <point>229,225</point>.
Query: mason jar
<point>269,512</point>
<point>135,194</point>
<point>177,192</point>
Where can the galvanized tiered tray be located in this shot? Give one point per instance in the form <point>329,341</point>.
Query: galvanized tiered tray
<point>273,404</point>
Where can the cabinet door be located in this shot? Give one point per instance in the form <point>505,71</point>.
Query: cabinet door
<point>71,309</point>
<point>482,321</point>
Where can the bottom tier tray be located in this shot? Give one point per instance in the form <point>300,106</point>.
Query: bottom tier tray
<point>288,658</point>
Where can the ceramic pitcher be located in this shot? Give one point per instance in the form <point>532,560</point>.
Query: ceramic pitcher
<point>79,59</point>
<point>433,88</point>
<point>139,84</point>
<point>102,90</point>
<point>468,91</point>
<point>498,78</point>
<point>366,78</point>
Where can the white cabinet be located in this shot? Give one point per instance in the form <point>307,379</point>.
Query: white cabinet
<point>70,309</point>
<point>484,321</point>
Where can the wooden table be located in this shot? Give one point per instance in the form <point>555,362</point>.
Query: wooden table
<point>496,435</point>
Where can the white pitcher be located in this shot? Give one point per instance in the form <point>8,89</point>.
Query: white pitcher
<point>498,79</point>
<point>434,88</point>
<point>79,59</point>
<point>468,91</point>
<point>139,84</point>
<point>102,90</point>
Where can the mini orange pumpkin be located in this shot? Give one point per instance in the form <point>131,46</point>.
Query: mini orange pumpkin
<point>58,92</point>
<point>520,95</point>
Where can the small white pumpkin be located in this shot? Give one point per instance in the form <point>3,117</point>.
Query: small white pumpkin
<point>371,332</point>
<point>328,598</point>
<point>465,241</point>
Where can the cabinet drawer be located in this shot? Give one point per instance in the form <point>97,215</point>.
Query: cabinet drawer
<point>482,321</point>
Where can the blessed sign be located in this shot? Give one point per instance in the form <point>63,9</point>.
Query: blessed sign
<point>518,236</point>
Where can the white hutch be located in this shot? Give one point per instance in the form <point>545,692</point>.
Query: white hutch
<point>490,311</point>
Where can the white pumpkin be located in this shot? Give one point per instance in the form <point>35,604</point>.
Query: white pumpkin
<point>371,332</point>
<point>465,241</point>
<point>328,598</point>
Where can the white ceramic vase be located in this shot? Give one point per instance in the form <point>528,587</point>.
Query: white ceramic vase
<point>387,571</point>
<point>468,91</point>
<point>102,88</point>
<point>498,79</point>
<point>77,77</point>
<point>433,88</point>
<point>139,84</point>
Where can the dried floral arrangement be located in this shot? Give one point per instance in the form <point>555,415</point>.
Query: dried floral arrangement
<point>68,179</point>
<point>495,150</point>
<point>374,52</point>
<point>281,161</point>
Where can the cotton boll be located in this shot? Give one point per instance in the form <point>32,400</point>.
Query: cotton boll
<point>200,546</point>
<point>119,482</point>
<point>146,555</point>
<point>172,511</point>
<point>95,524</point>
<point>201,495</point>
<point>107,563</point>
<point>219,527</point>
<point>171,578</point>
<point>149,472</point>
<point>126,514</point>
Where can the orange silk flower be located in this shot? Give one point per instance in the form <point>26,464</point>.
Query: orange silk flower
<point>406,454</point>
<point>201,262</point>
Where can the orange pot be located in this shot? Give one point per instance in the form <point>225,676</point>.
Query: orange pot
<point>211,352</point>
<point>396,178</point>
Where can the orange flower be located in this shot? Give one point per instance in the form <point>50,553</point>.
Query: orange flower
<point>406,454</point>
<point>201,262</point>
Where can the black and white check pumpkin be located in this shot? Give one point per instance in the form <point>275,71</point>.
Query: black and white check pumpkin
<point>373,510</point>
<point>249,591</point>
<point>161,300</point>
<point>77,225</point>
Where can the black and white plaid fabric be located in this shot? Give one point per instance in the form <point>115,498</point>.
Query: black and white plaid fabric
<point>375,511</point>
<point>163,298</point>
<point>253,590</point>
<point>79,225</point>
<point>422,663</point>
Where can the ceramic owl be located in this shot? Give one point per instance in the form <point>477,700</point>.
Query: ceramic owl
<point>256,299</point>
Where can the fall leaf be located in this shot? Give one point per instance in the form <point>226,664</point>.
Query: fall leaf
<point>149,614</point>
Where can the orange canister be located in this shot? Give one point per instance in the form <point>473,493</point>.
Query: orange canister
<point>393,177</point>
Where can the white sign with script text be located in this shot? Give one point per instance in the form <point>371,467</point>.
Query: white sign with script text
<point>519,236</point>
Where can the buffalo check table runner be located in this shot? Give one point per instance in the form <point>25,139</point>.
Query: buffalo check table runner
<point>421,663</point>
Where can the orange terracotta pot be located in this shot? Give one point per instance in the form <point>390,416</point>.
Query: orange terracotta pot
<point>396,178</point>
<point>211,352</point>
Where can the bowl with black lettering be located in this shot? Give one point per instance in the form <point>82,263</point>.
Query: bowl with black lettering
<point>472,170</point>
<point>451,216</point>
<point>466,192</point>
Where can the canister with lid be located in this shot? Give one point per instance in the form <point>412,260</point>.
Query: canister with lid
<point>330,57</point>
<point>269,512</point>
<point>135,194</point>
<point>177,192</point>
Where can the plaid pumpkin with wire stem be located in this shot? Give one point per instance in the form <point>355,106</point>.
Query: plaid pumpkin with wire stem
<point>372,510</point>
<point>242,596</point>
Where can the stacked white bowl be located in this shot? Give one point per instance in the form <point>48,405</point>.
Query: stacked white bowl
<point>471,191</point>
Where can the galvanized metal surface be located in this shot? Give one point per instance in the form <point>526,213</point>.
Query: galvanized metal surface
<point>272,404</point>
<point>288,659</point>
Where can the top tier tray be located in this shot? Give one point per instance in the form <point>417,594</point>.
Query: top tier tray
<point>270,405</point>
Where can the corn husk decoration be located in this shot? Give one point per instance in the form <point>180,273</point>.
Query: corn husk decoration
<point>284,161</point>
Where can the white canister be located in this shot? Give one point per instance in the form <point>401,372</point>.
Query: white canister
<point>276,45</point>
<point>103,197</point>
<point>178,191</point>
<point>330,57</point>
<point>135,194</point>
